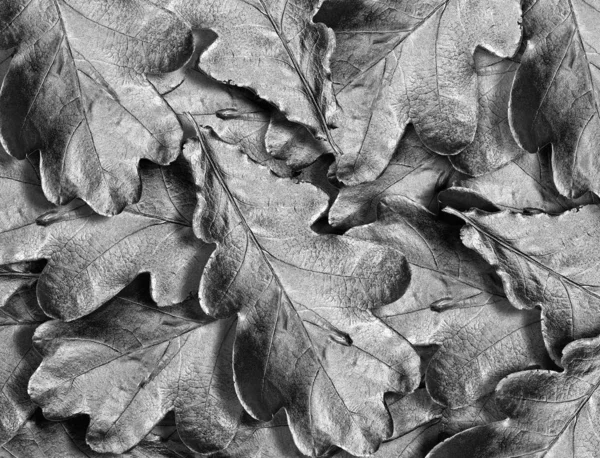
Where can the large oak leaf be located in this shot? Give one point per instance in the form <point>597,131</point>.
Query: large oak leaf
<point>306,338</point>
<point>77,90</point>
<point>91,257</point>
<point>399,62</point>
<point>130,363</point>
<point>544,261</point>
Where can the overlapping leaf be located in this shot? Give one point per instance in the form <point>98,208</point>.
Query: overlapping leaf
<point>306,338</point>
<point>463,312</point>
<point>76,89</point>
<point>239,118</point>
<point>400,62</point>
<point>494,144</point>
<point>523,184</point>
<point>40,438</point>
<point>549,413</point>
<point>130,363</point>
<point>274,48</point>
<point>19,317</point>
<point>90,257</point>
<point>414,172</point>
<point>556,93</point>
<point>544,261</point>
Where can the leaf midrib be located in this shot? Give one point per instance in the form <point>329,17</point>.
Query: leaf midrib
<point>217,171</point>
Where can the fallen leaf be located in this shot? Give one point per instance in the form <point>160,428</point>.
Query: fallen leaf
<point>306,335</point>
<point>463,311</point>
<point>414,172</point>
<point>549,413</point>
<point>40,438</point>
<point>556,92</point>
<point>130,363</point>
<point>20,315</point>
<point>76,89</point>
<point>544,261</point>
<point>494,144</point>
<point>399,62</point>
<point>91,257</point>
<point>275,49</point>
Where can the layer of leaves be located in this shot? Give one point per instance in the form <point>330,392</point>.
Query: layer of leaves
<point>524,184</point>
<point>549,413</point>
<point>399,62</point>
<point>40,438</point>
<point>130,363</point>
<point>414,173</point>
<point>19,317</point>
<point>274,48</point>
<point>544,261</point>
<point>556,93</point>
<point>306,338</point>
<point>478,337</point>
<point>90,257</point>
<point>77,90</point>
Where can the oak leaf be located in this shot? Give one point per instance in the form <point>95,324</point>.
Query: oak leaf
<point>549,413</point>
<point>20,315</point>
<point>306,336</point>
<point>555,97</point>
<point>130,363</point>
<point>91,257</point>
<point>399,62</point>
<point>76,89</point>
<point>544,261</point>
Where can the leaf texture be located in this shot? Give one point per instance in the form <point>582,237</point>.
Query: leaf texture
<point>303,300</point>
<point>463,311</point>
<point>399,62</point>
<point>566,404</point>
<point>291,50</point>
<point>40,438</point>
<point>20,315</point>
<point>414,173</point>
<point>76,89</point>
<point>544,261</point>
<point>556,93</point>
<point>130,363</point>
<point>90,257</point>
<point>523,184</point>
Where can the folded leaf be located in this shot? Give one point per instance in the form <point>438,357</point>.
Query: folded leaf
<point>523,184</point>
<point>130,363</point>
<point>20,315</point>
<point>549,413</point>
<point>544,261</point>
<point>90,257</point>
<point>77,90</point>
<point>414,173</point>
<point>556,93</point>
<point>306,338</point>
<point>399,62</point>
